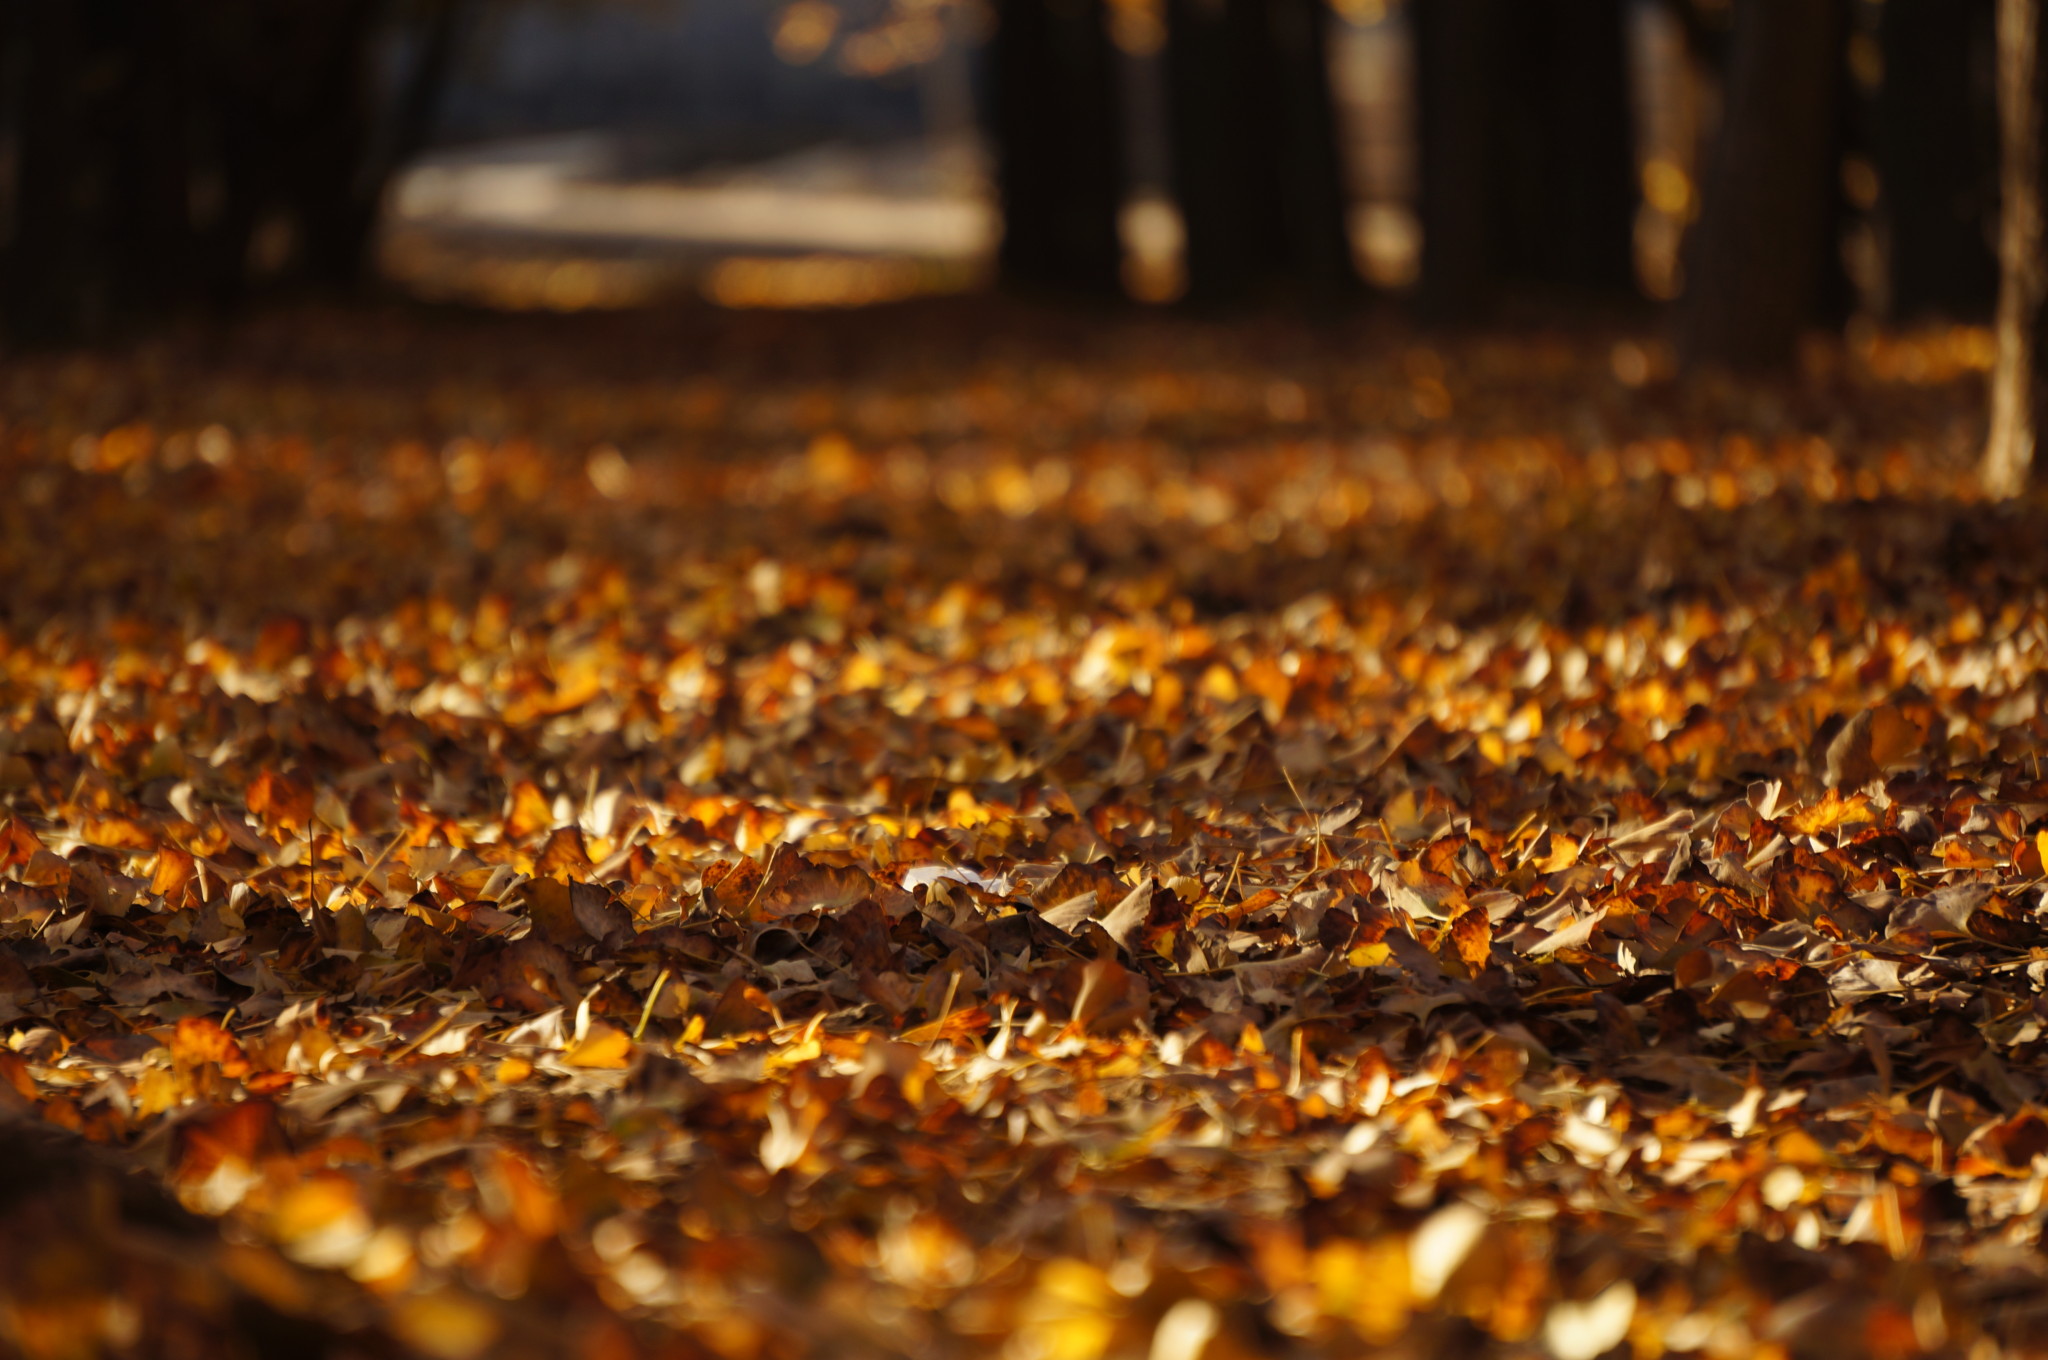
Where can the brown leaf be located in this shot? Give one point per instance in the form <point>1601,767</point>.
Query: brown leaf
<point>825,888</point>
<point>564,855</point>
<point>551,905</point>
<point>1472,936</point>
<point>530,974</point>
<point>743,1009</point>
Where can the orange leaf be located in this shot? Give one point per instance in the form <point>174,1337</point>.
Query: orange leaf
<point>563,854</point>
<point>196,1041</point>
<point>1472,934</point>
<point>280,799</point>
<point>119,833</point>
<point>529,812</point>
<point>1832,811</point>
<point>14,1072</point>
<point>174,869</point>
<point>18,844</point>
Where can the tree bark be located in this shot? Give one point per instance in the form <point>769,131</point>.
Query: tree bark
<point>56,276</point>
<point>1936,130</point>
<point>1256,164</point>
<point>2009,453</point>
<point>1456,57</point>
<point>402,136</point>
<point>1059,156</point>
<point>152,139</point>
<point>1528,170</point>
<point>1763,249</point>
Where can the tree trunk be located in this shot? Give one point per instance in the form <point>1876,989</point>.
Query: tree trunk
<point>401,136</point>
<point>57,280</point>
<point>2009,454</point>
<point>153,140</point>
<point>1528,171</point>
<point>332,183</point>
<point>1936,127</point>
<point>1256,164</point>
<point>1763,249</point>
<point>1457,45</point>
<point>1059,156</point>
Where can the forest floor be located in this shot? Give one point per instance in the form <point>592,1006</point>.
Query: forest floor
<point>958,831</point>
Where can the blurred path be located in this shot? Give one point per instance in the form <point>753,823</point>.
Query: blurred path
<point>564,222</point>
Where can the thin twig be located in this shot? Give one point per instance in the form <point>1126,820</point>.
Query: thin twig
<point>647,1010</point>
<point>762,886</point>
<point>429,1033</point>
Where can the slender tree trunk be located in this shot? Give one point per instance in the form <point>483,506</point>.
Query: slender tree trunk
<point>2009,454</point>
<point>1763,253</point>
<point>1059,154</point>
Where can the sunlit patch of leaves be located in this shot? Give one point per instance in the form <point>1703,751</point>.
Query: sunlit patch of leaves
<point>1209,853</point>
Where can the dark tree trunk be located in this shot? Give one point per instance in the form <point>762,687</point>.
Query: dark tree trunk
<point>72,117</point>
<point>1457,55</point>
<point>291,128</point>
<point>401,136</point>
<point>1059,154</point>
<point>328,181</point>
<point>1764,251</point>
<point>1256,165</point>
<point>1527,174</point>
<point>1936,134</point>
<point>154,142</point>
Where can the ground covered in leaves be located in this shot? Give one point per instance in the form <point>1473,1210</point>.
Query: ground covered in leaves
<point>959,832</point>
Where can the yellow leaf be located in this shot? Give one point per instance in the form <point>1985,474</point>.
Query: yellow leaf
<point>156,1090</point>
<point>861,672</point>
<point>1219,683</point>
<point>604,1046</point>
<point>796,1055</point>
<point>1564,853</point>
<point>446,1326</point>
<point>1369,956</point>
<point>321,1222</point>
<point>1365,1282</point>
<point>1832,811</point>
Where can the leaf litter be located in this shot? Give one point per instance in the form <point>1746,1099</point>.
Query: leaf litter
<point>1153,841</point>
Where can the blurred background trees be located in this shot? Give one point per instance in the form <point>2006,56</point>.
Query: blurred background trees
<point>158,156</point>
<point>1528,166</point>
<point>1053,109</point>
<point>1761,166</point>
